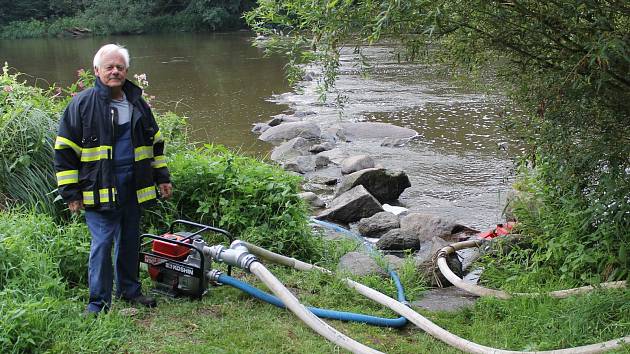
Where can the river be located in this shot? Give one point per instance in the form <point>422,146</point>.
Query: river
<point>459,167</point>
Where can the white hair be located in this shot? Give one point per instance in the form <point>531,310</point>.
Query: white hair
<point>109,48</point>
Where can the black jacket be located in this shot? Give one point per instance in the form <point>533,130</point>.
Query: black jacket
<point>84,149</point>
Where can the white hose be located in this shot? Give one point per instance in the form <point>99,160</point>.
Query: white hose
<point>425,324</point>
<point>292,303</point>
<point>461,343</point>
<point>482,291</point>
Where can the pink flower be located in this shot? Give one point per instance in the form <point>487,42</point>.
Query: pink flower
<point>81,85</point>
<point>80,72</point>
<point>8,88</point>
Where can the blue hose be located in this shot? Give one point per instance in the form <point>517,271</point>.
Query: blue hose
<point>323,313</point>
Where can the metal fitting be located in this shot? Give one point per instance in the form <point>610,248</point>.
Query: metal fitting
<point>237,255</point>
<point>213,276</point>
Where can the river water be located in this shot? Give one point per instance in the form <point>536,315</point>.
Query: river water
<point>460,165</point>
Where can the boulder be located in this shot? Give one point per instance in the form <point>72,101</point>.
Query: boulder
<point>291,149</point>
<point>336,155</point>
<point>281,118</point>
<point>378,224</point>
<point>385,185</point>
<point>359,264</point>
<point>288,131</point>
<point>300,164</point>
<point>398,240</point>
<point>260,128</point>
<point>427,226</point>
<point>394,142</point>
<point>325,146</point>
<point>393,262</point>
<point>356,163</point>
<point>302,114</point>
<point>321,161</point>
<point>351,206</point>
<point>312,199</point>
<point>373,130</point>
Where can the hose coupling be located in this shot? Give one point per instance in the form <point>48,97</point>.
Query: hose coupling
<point>237,255</point>
<point>213,276</point>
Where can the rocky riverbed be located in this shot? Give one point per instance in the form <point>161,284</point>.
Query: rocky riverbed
<point>409,161</point>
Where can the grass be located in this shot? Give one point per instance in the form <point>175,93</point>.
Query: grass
<point>227,321</point>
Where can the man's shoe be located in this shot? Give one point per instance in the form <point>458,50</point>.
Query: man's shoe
<point>143,300</point>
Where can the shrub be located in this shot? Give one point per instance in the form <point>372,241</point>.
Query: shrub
<point>252,200</point>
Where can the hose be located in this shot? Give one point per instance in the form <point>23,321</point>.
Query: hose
<point>446,336</point>
<point>482,291</point>
<point>315,323</point>
<point>321,313</point>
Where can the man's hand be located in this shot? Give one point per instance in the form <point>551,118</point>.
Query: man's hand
<point>75,206</point>
<point>166,190</point>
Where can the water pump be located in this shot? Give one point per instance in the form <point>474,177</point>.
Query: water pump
<point>175,260</point>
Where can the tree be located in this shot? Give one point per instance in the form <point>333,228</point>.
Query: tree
<point>566,63</point>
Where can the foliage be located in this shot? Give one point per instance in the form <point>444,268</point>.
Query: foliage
<point>566,64</point>
<point>27,132</point>
<point>38,311</point>
<point>37,18</point>
<point>252,200</point>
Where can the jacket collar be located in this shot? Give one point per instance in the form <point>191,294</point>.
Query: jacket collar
<point>131,90</point>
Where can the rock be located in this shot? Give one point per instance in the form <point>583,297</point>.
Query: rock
<point>312,199</point>
<point>260,128</point>
<point>359,264</point>
<point>325,146</point>
<point>288,131</point>
<point>336,155</point>
<point>394,262</point>
<point>323,179</point>
<point>373,130</point>
<point>385,185</point>
<point>300,164</point>
<point>291,149</point>
<point>427,226</point>
<point>377,224</point>
<point>398,240</point>
<point>356,163</point>
<point>447,299</point>
<point>396,210</point>
<point>394,142</point>
<point>321,161</point>
<point>351,206</point>
<point>281,118</point>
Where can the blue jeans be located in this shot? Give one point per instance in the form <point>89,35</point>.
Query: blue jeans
<point>122,228</point>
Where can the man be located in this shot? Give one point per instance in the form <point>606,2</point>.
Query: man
<point>109,156</point>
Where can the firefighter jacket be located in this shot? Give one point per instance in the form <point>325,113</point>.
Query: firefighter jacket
<point>84,146</point>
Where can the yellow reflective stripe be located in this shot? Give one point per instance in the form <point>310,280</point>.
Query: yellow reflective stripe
<point>143,152</point>
<point>67,177</point>
<point>159,161</point>
<point>157,138</point>
<point>146,194</point>
<point>63,143</point>
<point>103,194</point>
<point>88,197</point>
<point>96,153</point>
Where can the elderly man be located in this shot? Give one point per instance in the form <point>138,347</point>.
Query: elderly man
<point>109,157</point>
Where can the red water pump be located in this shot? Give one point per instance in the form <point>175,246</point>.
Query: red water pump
<point>175,260</point>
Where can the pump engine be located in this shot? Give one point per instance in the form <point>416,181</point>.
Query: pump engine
<point>175,260</point>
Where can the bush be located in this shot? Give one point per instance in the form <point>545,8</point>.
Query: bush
<point>252,200</point>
